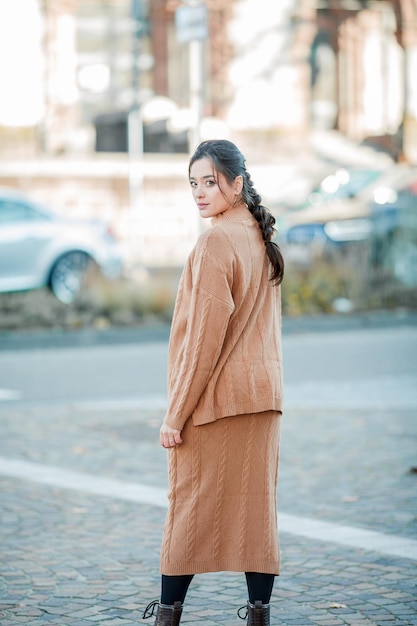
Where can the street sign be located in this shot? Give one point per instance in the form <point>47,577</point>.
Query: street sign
<point>191,23</point>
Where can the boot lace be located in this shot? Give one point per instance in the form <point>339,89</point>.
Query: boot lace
<point>150,609</point>
<point>244,607</point>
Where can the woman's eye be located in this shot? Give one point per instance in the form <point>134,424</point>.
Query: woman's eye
<point>207,183</point>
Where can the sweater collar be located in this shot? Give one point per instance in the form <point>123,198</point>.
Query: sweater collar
<point>235,214</point>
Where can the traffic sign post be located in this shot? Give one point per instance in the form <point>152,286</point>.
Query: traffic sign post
<point>191,22</point>
<point>192,27</point>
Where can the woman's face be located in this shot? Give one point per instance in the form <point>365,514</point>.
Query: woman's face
<point>212,192</point>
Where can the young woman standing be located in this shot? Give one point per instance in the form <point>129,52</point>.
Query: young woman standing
<point>225,393</point>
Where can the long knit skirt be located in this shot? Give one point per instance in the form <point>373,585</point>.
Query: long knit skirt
<point>222,513</point>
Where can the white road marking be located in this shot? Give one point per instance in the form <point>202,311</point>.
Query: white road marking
<point>370,540</point>
<point>392,545</point>
<point>9,394</point>
<point>68,479</point>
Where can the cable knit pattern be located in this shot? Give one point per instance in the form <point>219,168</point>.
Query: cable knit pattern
<point>245,487</point>
<point>226,520</point>
<point>194,502</point>
<point>221,480</point>
<point>224,352</point>
<point>225,395</point>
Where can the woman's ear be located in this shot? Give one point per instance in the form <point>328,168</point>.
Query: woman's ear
<point>238,184</point>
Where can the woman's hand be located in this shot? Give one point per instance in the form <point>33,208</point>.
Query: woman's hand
<point>169,437</point>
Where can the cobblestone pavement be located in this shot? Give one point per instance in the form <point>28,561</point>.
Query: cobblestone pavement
<point>83,553</point>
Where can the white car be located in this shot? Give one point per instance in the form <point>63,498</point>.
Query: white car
<point>39,248</point>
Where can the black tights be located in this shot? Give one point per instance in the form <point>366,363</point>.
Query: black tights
<point>174,588</point>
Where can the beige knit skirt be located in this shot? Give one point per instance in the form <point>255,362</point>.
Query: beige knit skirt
<point>222,513</point>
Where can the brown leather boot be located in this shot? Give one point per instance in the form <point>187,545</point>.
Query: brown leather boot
<point>258,614</point>
<point>166,614</point>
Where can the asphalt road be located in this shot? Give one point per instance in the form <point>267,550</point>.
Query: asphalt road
<point>355,364</point>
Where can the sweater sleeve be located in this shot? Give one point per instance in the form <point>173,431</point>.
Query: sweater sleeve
<point>199,326</point>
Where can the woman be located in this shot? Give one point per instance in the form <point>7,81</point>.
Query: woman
<point>225,393</point>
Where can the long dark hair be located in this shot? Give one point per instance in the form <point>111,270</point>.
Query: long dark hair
<point>229,161</point>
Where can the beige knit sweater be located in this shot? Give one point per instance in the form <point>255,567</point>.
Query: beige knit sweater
<point>225,346</point>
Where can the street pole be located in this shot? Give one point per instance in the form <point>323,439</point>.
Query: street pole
<point>135,152</point>
<point>196,90</point>
<point>191,25</point>
<point>135,146</point>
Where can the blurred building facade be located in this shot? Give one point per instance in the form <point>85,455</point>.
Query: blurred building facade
<point>289,66</point>
<point>267,71</point>
<point>364,72</point>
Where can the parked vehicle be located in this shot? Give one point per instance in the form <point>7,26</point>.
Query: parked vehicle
<point>39,248</point>
<point>341,184</point>
<point>358,253</point>
<point>346,194</point>
<point>394,234</point>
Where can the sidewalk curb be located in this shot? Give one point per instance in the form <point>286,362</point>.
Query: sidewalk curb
<point>89,337</point>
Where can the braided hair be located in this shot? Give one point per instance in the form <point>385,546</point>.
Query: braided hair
<point>229,161</point>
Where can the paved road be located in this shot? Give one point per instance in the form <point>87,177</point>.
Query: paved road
<point>83,484</point>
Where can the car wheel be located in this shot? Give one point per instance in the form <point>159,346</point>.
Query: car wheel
<point>68,274</point>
